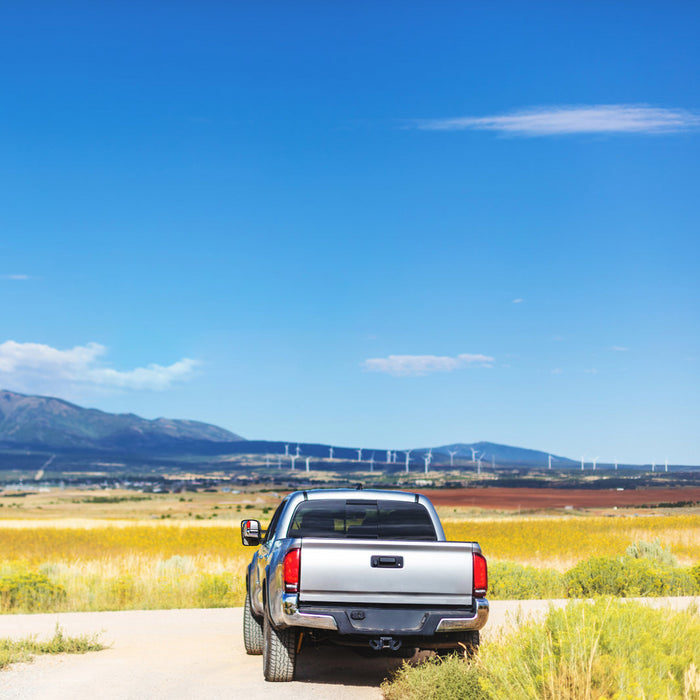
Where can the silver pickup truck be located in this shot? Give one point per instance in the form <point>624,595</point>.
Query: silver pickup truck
<point>365,569</point>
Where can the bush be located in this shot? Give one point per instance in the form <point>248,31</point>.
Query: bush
<point>586,651</point>
<point>29,591</point>
<point>626,577</point>
<point>510,581</point>
<point>215,591</point>
<point>651,550</point>
<point>694,572</point>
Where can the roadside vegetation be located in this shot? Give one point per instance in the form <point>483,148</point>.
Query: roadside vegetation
<point>585,651</point>
<point>81,565</point>
<point>17,650</point>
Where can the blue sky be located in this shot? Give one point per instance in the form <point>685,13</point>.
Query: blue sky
<point>371,224</point>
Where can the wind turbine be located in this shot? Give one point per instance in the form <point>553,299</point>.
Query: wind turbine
<point>582,462</point>
<point>595,462</point>
<point>473,454</point>
<point>615,465</point>
<point>331,451</point>
<point>279,461</point>
<point>298,450</point>
<point>388,456</point>
<point>359,454</point>
<point>286,450</point>
<point>308,459</point>
<point>653,467</point>
<point>478,462</point>
<point>267,461</point>
<point>666,465</point>
<point>549,461</point>
<point>452,456</point>
<point>408,457</point>
<point>371,462</point>
<point>294,458</point>
<point>428,457</point>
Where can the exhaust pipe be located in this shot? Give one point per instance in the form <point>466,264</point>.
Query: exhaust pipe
<point>385,643</point>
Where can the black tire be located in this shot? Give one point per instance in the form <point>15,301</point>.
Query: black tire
<point>279,652</point>
<point>252,629</point>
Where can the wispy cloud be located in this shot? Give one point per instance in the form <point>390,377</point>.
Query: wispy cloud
<point>518,301</point>
<point>619,348</point>
<point>14,277</point>
<point>416,365</point>
<point>36,367</point>
<point>583,119</point>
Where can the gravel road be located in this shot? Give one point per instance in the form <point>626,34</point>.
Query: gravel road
<point>192,654</point>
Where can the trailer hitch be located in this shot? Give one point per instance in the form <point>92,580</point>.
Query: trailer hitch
<point>385,643</point>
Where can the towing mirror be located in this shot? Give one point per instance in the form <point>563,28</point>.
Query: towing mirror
<point>250,532</point>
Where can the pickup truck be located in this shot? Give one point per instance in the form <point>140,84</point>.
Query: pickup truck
<point>368,569</point>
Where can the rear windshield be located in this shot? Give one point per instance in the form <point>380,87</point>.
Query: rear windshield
<point>382,520</point>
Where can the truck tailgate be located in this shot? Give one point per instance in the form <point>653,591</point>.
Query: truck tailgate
<point>388,572</point>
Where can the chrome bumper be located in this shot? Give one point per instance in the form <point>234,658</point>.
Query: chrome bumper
<point>291,617</point>
<point>473,622</point>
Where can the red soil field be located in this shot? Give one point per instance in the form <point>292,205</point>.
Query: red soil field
<point>532,498</point>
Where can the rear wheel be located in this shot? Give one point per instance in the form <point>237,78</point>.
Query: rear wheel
<point>252,629</point>
<point>279,652</point>
<point>470,644</point>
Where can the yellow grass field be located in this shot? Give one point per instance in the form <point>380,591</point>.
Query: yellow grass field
<point>118,564</point>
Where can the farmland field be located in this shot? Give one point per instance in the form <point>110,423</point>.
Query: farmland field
<point>170,551</point>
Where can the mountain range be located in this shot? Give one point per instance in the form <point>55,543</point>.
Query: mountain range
<point>46,424</point>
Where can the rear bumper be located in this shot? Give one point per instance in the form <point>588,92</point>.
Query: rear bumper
<point>372,620</point>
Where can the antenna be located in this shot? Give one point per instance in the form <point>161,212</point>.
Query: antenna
<point>452,456</point>
<point>308,459</point>
<point>408,458</point>
<point>359,454</point>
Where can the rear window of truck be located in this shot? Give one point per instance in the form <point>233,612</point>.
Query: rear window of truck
<point>379,520</point>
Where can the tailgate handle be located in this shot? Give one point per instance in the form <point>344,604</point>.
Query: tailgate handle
<point>383,562</point>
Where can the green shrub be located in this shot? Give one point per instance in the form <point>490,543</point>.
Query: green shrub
<point>626,577</point>
<point>694,572</point>
<point>215,591</point>
<point>654,551</point>
<point>510,581</point>
<point>606,649</point>
<point>29,591</point>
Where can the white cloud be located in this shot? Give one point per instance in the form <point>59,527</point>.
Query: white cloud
<point>416,365</point>
<point>592,370</point>
<point>584,119</point>
<point>518,301</point>
<point>557,370</point>
<point>31,366</point>
<point>14,277</point>
<point>619,348</point>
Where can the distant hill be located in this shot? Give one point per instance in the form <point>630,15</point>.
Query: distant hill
<point>502,454</point>
<point>45,422</point>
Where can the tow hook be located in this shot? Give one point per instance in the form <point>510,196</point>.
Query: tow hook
<point>385,643</point>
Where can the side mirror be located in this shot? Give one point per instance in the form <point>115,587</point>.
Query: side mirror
<point>250,532</point>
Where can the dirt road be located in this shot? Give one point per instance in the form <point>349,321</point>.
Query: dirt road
<point>193,654</point>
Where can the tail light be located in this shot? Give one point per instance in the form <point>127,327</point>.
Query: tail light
<point>291,570</point>
<point>481,575</point>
